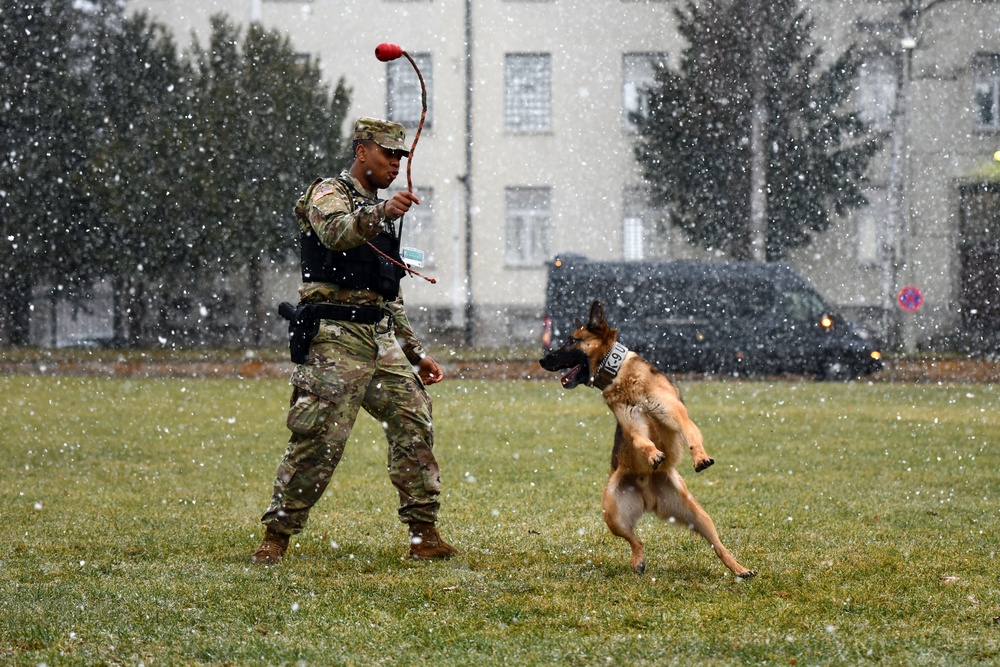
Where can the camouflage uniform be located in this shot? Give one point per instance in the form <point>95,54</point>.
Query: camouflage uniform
<point>350,366</point>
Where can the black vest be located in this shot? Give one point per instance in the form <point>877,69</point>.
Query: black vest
<point>357,268</point>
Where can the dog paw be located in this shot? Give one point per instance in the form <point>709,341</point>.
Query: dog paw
<point>704,463</point>
<point>747,574</point>
<point>657,459</point>
<point>640,567</point>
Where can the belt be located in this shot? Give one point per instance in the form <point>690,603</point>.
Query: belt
<point>346,313</point>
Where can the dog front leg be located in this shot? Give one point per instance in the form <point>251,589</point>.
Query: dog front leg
<point>638,436</point>
<point>648,451</point>
<point>653,455</point>
<point>692,438</point>
<point>673,415</point>
<point>623,506</point>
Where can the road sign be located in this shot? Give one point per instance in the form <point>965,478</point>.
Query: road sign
<point>910,298</point>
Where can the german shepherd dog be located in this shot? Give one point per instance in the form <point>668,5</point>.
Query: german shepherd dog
<point>652,432</point>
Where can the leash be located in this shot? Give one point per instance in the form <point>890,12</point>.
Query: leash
<point>432,281</point>
<point>386,52</point>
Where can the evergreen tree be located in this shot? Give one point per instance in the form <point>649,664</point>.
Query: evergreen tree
<point>136,172</point>
<point>696,145</point>
<point>119,157</point>
<point>42,132</point>
<point>268,126</point>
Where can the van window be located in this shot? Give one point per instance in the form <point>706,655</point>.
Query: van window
<point>747,298</point>
<point>803,306</point>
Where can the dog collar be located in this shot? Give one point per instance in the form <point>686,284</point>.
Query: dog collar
<point>608,370</point>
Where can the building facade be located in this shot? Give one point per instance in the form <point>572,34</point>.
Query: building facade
<point>527,150</point>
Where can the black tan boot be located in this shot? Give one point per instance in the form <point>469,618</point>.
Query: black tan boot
<point>272,549</point>
<point>426,543</point>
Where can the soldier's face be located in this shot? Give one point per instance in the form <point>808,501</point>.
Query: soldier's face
<point>381,165</point>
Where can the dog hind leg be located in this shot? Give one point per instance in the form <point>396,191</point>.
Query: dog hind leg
<point>623,507</point>
<point>675,502</point>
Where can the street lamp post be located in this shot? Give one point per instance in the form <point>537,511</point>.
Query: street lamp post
<point>893,246</point>
<point>470,307</point>
<point>894,241</point>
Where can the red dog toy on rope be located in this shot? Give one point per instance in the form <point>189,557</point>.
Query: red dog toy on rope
<point>386,52</point>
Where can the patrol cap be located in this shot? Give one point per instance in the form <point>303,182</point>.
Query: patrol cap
<point>383,132</point>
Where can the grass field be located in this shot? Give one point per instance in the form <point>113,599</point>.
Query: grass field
<point>128,510</point>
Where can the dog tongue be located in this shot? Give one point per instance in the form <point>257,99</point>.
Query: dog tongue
<point>566,379</point>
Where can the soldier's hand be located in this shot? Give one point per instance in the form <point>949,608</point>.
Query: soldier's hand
<point>400,203</point>
<point>429,371</point>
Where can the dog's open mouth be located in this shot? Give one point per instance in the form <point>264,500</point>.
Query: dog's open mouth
<point>574,363</point>
<point>572,378</point>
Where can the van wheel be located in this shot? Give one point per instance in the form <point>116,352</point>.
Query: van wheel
<point>834,369</point>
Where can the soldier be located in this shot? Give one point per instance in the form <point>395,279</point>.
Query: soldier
<point>355,360</point>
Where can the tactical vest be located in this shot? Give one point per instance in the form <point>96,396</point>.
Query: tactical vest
<point>357,268</point>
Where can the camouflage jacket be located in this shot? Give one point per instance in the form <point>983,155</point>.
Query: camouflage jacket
<point>328,208</point>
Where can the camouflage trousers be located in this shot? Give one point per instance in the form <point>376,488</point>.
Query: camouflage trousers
<point>351,366</point>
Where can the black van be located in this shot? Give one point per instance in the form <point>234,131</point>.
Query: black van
<point>741,318</point>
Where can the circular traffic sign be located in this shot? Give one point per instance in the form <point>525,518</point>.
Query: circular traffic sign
<point>910,298</point>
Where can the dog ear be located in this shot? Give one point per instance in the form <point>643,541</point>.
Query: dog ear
<point>596,322</point>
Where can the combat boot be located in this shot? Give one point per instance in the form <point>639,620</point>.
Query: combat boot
<point>272,549</point>
<point>426,543</point>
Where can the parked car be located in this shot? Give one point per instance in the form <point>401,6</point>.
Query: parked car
<point>742,318</point>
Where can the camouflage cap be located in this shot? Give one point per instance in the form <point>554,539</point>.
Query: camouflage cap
<point>383,132</point>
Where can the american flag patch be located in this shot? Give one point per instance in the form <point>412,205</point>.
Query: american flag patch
<point>321,191</point>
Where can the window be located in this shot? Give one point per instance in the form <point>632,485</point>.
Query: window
<point>418,224</point>
<point>876,94</point>
<point>633,223</point>
<point>528,92</point>
<point>528,212</point>
<point>633,239</point>
<point>403,97</point>
<point>638,76</point>
<point>870,229</point>
<point>986,72</point>
<point>803,306</point>
<point>643,225</point>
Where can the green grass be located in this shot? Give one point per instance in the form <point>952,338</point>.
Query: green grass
<point>128,510</point>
